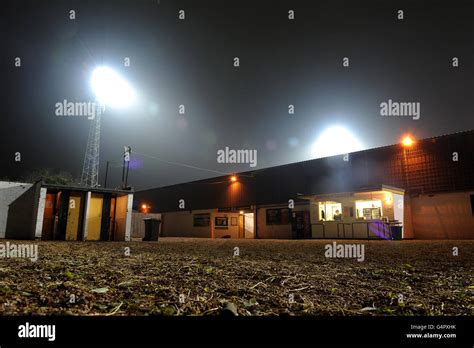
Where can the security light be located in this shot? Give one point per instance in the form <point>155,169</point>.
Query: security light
<point>407,141</point>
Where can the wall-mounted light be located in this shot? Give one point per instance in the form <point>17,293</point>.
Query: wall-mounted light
<point>233,178</point>
<point>408,141</point>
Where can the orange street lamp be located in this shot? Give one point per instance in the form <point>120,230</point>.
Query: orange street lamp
<point>407,141</point>
<point>233,178</point>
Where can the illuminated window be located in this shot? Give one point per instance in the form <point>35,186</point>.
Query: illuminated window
<point>369,210</point>
<point>330,211</point>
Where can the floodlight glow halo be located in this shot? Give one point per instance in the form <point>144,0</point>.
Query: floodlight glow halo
<point>336,140</point>
<point>111,89</point>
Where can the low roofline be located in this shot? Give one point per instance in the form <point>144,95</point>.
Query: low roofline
<point>15,182</point>
<point>369,188</point>
<point>85,188</point>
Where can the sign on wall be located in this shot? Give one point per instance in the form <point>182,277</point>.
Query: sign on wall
<point>221,222</point>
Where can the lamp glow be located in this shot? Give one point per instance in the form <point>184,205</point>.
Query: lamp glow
<point>407,141</point>
<point>111,89</point>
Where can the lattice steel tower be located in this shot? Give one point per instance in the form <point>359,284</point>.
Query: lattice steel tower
<point>90,169</point>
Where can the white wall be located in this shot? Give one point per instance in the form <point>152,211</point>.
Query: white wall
<point>40,213</point>
<point>276,231</point>
<point>272,231</point>
<point>86,215</point>
<point>180,224</point>
<point>9,192</point>
<point>138,223</point>
<point>232,231</point>
<point>128,222</point>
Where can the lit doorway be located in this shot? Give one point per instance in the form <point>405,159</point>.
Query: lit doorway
<point>249,226</point>
<point>246,225</point>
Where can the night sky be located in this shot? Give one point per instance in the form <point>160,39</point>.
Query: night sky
<point>191,62</point>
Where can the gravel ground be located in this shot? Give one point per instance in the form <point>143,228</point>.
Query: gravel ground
<point>184,276</point>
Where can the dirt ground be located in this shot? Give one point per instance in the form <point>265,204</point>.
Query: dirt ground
<point>183,276</point>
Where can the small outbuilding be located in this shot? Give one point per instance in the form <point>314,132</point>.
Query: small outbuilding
<point>64,212</point>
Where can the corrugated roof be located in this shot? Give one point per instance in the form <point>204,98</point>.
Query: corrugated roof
<point>427,167</point>
<point>84,188</point>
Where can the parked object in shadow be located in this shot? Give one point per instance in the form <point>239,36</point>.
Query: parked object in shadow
<point>152,229</point>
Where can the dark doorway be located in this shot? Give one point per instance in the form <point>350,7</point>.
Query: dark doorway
<point>301,225</point>
<point>105,222</point>
<point>49,217</point>
<point>62,215</point>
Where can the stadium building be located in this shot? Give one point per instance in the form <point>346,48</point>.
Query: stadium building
<point>425,187</point>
